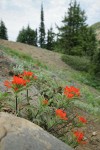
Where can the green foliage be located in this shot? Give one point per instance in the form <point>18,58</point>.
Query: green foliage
<point>90,43</point>
<point>18,69</point>
<point>42,30</point>
<point>76,62</point>
<point>75,38</point>
<point>89,79</point>
<point>27,36</point>
<point>87,75</point>
<point>50,40</point>
<point>36,38</point>
<point>96,26</point>
<point>3,31</point>
<point>44,114</point>
<point>96,64</point>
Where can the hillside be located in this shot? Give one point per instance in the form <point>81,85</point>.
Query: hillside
<point>47,57</point>
<point>53,74</point>
<point>96,27</point>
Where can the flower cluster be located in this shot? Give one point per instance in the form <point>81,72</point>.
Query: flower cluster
<point>79,136</point>
<point>66,122</point>
<point>27,75</point>
<point>16,83</point>
<point>61,114</point>
<point>71,92</point>
<point>82,119</point>
<point>20,81</point>
<point>45,102</point>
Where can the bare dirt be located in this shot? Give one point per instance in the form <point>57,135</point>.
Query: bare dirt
<point>92,129</point>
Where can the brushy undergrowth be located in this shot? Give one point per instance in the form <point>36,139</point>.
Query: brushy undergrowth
<point>76,62</point>
<point>82,64</point>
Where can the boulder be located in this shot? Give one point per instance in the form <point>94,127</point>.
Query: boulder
<point>20,134</point>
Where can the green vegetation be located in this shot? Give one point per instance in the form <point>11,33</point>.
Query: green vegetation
<point>52,108</point>
<point>42,30</point>
<point>3,31</point>
<point>76,62</point>
<point>50,39</point>
<point>96,26</point>
<point>75,37</point>
<point>60,93</point>
<point>51,77</point>
<point>83,64</point>
<point>27,36</point>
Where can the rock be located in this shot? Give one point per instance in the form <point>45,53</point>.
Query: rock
<point>20,134</point>
<point>94,133</point>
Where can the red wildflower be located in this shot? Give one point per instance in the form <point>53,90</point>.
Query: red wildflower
<point>71,91</point>
<point>35,77</point>
<point>82,119</point>
<point>16,89</point>
<point>28,73</point>
<point>45,102</point>
<point>18,81</point>
<point>70,95</point>
<point>79,136</point>
<point>8,84</point>
<point>60,113</point>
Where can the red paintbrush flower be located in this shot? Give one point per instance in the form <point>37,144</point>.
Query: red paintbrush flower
<point>79,136</point>
<point>71,92</point>
<point>61,114</point>
<point>45,102</point>
<point>82,119</point>
<point>7,84</point>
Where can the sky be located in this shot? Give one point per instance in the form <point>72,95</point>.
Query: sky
<point>18,13</point>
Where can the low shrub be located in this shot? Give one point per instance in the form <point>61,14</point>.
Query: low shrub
<point>76,62</point>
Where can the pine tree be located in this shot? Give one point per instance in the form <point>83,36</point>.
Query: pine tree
<point>30,38</point>
<point>89,43</point>
<point>36,38</point>
<point>95,64</point>
<point>22,36</point>
<point>42,30</point>
<point>73,29</point>
<point>50,39</point>
<point>3,31</point>
<point>27,36</point>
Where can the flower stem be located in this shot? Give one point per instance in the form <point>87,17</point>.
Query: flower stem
<point>16,105</point>
<point>27,97</point>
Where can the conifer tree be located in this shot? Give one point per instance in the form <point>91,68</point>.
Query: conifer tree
<point>42,30</point>
<point>73,29</point>
<point>89,43</point>
<point>3,31</point>
<point>95,64</point>
<point>27,36</point>
<point>36,38</point>
<point>22,36</point>
<point>30,36</point>
<point>50,39</point>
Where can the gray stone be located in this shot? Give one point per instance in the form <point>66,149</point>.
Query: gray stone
<point>20,134</point>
